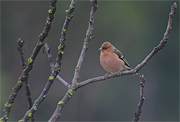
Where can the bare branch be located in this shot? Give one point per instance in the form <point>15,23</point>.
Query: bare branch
<point>57,66</point>
<point>31,60</point>
<point>20,49</point>
<point>144,62</point>
<point>86,40</point>
<point>101,78</point>
<point>163,41</point>
<point>48,51</point>
<point>62,103</point>
<point>52,65</point>
<point>141,100</point>
<point>23,64</point>
<point>63,81</point>
<point>73,87</point>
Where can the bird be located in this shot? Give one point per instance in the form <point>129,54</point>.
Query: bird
<point>112,60</point>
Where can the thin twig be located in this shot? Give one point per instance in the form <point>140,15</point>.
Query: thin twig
<point>73,87</point>
<point>144,62</point>
<point>86,41</point>
<point>29,98</point>
<point>141,100</point>
<point>23,64</point>
<point>48,51</point>
<point>20,49</point>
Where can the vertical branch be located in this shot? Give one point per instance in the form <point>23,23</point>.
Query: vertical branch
<point>49,56</point>
<point>141,100</point>
<point>86,41</point>
<point>23,64</point>
<point>72,88</point>
<point>20,49</point>
<point>69,17</point>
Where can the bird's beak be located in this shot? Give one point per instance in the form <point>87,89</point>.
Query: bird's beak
<point>100,49</point>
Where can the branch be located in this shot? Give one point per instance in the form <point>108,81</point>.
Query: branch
<point>73,87</point>
<point>163,41</point>
<point>62,103</point>
<point>31,60</point>
<point>86,40</point>
<point>144,62</point>
<point>48,50</point>
<point>20,49</point>
<point>141,100</point>
<point>23,64</point>
<point>56,68</point>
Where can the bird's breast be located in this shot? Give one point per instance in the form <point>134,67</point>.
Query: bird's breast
<point>111,62</point>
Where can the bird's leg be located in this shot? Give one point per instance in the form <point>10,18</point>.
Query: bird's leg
<point>118,73</point>
<point>105,76</point>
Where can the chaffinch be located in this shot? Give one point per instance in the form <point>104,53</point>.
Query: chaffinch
<point>112,59</point>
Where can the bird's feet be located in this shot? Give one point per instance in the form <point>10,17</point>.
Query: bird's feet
<point>105,76</point>
<point>118,73</point>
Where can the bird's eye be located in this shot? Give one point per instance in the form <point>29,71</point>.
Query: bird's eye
<point>104,48</point>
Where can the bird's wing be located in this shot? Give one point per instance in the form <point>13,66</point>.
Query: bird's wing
<point>116,51</point>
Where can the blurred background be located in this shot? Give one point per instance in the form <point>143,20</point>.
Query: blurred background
<point>135,28</point>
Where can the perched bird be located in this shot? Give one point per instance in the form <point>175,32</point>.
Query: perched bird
<point>112,59</point>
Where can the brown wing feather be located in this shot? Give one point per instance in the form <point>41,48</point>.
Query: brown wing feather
<point>117,52</point>
<point>121,57</point>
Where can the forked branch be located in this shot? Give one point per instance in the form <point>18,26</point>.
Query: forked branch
<point>48,51</point>
<point>144,62</point>
<point>75,82</point>
<point>86,41</point>
<point>73,87</point>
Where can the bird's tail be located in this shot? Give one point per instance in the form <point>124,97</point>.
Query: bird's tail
<point>127,68</point>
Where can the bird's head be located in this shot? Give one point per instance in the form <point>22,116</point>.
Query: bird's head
<point>106,47</point>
